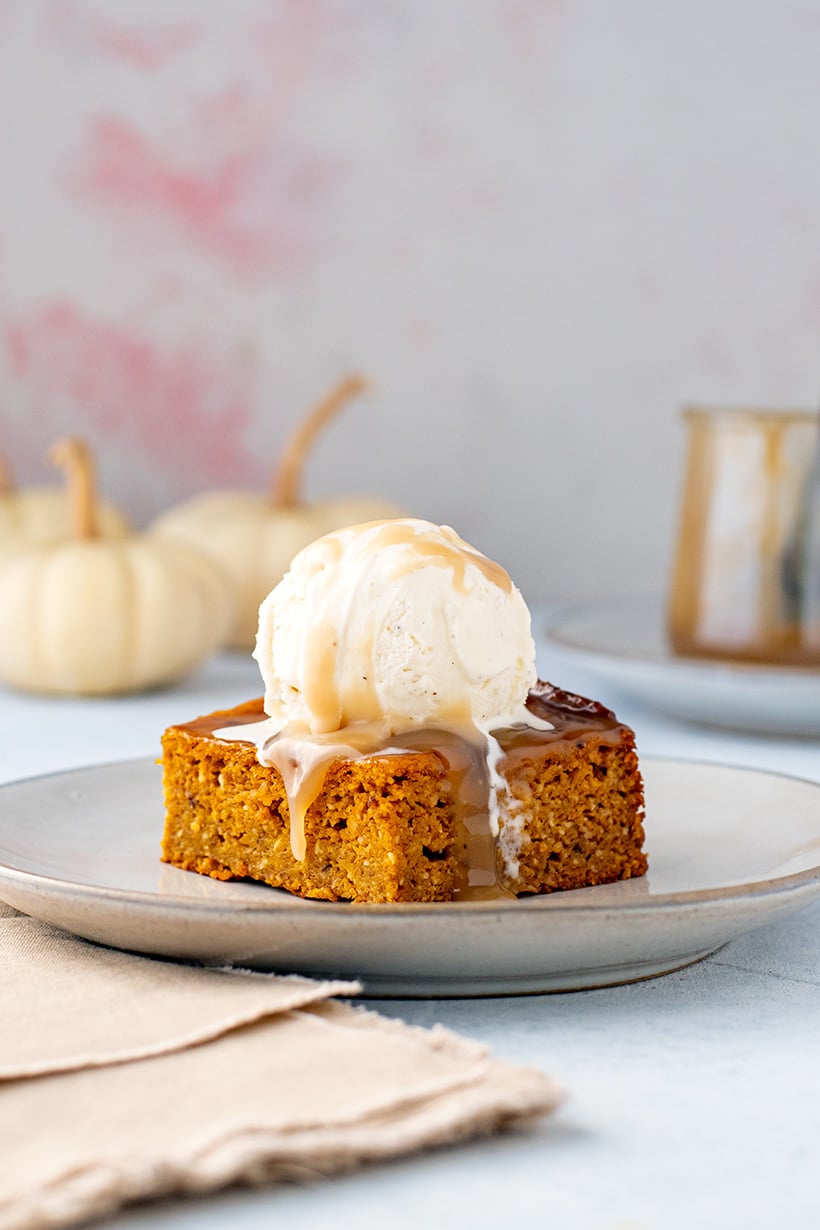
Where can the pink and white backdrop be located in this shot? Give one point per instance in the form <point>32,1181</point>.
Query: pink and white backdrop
<point>539,225</point>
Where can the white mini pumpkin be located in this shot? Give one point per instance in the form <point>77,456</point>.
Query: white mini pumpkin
<point>96,616</point>
<point>255,536</point>
<point>43,514</point>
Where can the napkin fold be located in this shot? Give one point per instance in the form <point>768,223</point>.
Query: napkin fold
<point>123,1078</point>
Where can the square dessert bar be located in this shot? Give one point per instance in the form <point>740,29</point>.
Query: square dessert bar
<point>389,828</point>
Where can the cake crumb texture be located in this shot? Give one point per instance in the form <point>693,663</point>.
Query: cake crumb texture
<point>382,829</point>
<point>585,816</point>
<point>387,828</point>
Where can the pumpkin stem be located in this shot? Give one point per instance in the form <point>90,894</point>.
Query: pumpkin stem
<point>6,477</point>
<point>74,458</point>
<point>287,477</point>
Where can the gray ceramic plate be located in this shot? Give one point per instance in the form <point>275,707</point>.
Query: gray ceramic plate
<point>730,849</point>
<point>622,641</point>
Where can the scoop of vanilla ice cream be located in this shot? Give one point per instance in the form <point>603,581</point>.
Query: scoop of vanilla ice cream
<point>399,622</point>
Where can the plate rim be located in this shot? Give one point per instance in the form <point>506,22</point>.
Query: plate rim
<point>547,903</point>
<point>548,630</point>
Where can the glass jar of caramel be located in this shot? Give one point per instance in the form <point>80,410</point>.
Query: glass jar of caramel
<point>746,576</point>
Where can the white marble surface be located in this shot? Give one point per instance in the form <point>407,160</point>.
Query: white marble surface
<point>694,1099</point>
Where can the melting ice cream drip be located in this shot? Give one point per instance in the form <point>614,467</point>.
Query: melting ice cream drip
<point>388,628</point>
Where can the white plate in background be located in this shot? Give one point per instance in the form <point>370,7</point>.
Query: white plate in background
<point>729,850</point>
<point>622,642</point>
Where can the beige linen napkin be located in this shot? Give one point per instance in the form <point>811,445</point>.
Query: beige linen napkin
<point>123,1077</point>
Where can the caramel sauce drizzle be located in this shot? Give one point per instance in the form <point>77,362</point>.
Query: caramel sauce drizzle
<point>454,553</point>
<point>303,761</point>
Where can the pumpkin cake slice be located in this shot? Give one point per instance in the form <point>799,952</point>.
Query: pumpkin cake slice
<point>391,828</point>
<point>404,750</point>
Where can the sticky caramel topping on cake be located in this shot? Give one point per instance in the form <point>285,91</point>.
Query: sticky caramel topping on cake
<point>412,825</point>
